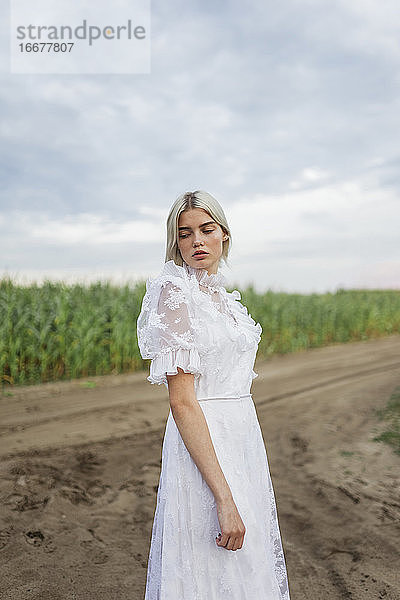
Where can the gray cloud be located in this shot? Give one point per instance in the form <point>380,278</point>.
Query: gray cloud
<point>263,101</point>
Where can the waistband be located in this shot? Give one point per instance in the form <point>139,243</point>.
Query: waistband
<point>235,398</point>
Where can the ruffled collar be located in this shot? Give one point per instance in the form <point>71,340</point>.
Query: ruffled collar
<point>214,281</point>
<point>240,325</point>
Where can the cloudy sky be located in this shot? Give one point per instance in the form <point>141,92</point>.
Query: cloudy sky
<point>287,112</point>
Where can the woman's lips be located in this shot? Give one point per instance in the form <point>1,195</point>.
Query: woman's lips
<point>201,255</point>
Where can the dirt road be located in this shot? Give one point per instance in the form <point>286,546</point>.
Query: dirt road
<point>79,468</point>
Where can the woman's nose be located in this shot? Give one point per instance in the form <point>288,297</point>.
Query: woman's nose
<point>198,239</point>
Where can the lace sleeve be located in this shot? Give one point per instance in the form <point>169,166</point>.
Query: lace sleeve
<point>166,334</point>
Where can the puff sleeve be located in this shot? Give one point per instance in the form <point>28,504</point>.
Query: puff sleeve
<point>166,333</point>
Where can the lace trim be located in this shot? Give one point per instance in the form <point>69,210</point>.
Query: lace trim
<point>214,281</point>
<point>166,364</point>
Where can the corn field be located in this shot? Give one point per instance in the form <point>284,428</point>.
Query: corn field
<point>56,331</point>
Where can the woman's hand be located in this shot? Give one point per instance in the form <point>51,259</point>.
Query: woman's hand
<point>232,526</point>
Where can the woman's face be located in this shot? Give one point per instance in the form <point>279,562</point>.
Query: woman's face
<point>198,231</point>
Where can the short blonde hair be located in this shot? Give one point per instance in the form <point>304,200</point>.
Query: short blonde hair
<point>187,201</point>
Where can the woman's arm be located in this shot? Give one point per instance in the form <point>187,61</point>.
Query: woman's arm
<point>192,426</point>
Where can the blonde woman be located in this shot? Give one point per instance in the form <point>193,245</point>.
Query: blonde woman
<point>215,532</point>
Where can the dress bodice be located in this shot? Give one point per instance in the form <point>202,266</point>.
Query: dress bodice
<point>189,319</point>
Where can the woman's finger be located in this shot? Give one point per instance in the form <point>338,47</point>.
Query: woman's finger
<point>237,544</point>
<point>223,540</point>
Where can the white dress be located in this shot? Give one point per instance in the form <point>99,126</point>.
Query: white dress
<point>188,319</point>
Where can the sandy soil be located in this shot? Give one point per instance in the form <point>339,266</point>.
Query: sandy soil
<point>79,470</point>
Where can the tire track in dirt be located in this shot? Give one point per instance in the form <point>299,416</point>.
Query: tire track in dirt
<point>329,382</point>
<point>76,515</point>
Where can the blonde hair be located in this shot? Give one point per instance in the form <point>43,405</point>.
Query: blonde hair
<point>188,200</point>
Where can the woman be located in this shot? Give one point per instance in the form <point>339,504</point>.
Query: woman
<point>215,532</point>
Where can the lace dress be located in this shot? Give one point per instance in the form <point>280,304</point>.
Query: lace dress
<point>188,319</point>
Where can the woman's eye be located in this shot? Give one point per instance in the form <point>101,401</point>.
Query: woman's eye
<point>183,236</point>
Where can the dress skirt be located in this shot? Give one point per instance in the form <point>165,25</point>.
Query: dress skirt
<point>185,562</point>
